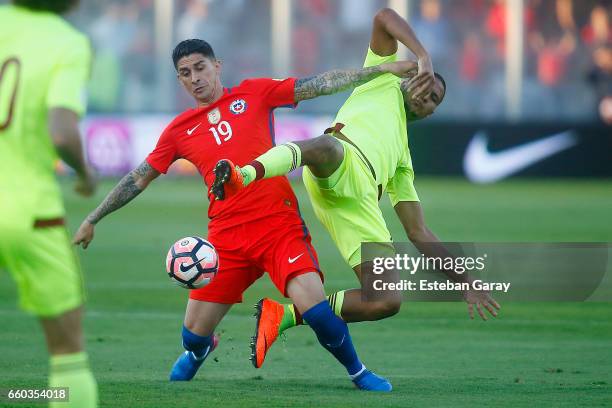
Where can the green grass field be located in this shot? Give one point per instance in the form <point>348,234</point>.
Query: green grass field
<point>534,354</point>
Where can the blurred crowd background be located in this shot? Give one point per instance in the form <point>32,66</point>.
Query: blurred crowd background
<point>567,62</point>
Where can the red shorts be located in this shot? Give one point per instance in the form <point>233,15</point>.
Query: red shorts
<point>279,244</point>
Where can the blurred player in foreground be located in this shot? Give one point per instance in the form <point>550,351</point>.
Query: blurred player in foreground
<point>44,66</point>
<point>258,230</point>
<point>362,154</point>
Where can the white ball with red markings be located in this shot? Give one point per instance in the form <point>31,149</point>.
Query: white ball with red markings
<point>192,262</point>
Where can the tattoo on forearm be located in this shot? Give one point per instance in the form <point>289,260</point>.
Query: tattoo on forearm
<point>332,82</point>
<point>122,194</point>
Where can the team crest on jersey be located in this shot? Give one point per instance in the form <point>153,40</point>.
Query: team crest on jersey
<point>238,106</point>
<point>214,116</point>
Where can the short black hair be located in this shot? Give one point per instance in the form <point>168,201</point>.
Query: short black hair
<point>54,6</point>
<point>193,46</point>
<point>441,78</point>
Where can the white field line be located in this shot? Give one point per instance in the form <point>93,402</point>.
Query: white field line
<point>156,315</point>
<point>103,314</point>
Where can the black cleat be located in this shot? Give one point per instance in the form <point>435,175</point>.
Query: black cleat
<point>223,171</point>
<point>258,308</point>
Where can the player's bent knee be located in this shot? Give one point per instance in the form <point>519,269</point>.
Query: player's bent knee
<point>391,307</point>
<point>331,149</point>
<point>323,150</point>
<point>385,308</point>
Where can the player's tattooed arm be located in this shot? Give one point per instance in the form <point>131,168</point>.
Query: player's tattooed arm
<point>129,187</point>
<point>335,81</point>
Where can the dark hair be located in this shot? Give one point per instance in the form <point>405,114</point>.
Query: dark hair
<point>55,6</point>
<point>441,78</point>
<point>193,46</point>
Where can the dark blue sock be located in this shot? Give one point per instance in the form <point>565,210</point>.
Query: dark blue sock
<point>333,334</point>
<point>199,345</point>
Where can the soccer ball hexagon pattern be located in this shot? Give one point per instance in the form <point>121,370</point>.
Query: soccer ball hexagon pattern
<point>192,262</point>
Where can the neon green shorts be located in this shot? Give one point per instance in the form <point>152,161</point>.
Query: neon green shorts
<point>346,203</point>
<point>45,267</point>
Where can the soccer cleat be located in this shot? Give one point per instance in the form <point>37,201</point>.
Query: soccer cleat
<point>368,381</point>
<point>268,315</point>
<point>228,180</point>
<point>187,365</point>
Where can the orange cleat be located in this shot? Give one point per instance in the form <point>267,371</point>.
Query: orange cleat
<point>228,180</point>
<point>269,315</point>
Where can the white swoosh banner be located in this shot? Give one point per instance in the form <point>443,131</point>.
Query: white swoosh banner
<point>482,166</point>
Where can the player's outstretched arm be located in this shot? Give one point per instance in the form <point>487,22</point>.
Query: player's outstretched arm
<point>387,29</point>
<point>64,131</point>
<point>411,216</point>
<point>129,187</point>
<point>335,81</point>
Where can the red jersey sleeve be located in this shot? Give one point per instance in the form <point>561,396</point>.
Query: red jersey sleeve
<point>274,92</point>
<point>165,152</point>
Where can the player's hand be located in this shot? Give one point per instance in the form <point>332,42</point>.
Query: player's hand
<point>422,84</point>
<point>400,68</point>
<point>482,300</point>
<point>84,235</point>
<point>86,184</point>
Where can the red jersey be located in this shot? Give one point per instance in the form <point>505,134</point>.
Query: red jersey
<point>238,127</point>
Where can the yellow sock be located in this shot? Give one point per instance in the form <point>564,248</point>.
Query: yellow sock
<point>72,371</point>
<point>278,161</point>
<point>336,300</point>
<point>291,318</point>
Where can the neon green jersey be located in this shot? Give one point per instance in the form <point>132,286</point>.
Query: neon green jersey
<point>375,120</point>
<point>44,64</point>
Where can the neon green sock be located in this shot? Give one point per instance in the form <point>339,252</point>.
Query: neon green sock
<point>72,371</point>
<point>336,300</point>
<point>289,319</point>
<point>277,161</point>
<point>248,174</point>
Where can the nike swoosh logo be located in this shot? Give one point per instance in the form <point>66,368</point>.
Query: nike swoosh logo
<point>292,260</point>
<point>190,131</point>
<point>337,345</point>
<point>184,268</point>
<point>482,166</point>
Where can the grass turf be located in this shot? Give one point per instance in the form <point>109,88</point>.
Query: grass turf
<point>535,354</point>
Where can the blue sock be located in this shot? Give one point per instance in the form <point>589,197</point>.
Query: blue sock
<point>199,345</point>
<point>333,335</point>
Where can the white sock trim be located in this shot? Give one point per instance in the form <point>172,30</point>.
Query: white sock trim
<point>358,373</point>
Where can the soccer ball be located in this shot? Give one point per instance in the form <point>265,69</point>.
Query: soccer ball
<point>192,262</point>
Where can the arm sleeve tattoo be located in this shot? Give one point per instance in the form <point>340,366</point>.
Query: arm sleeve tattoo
<point>334,81</point>
<point>122,194</point>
